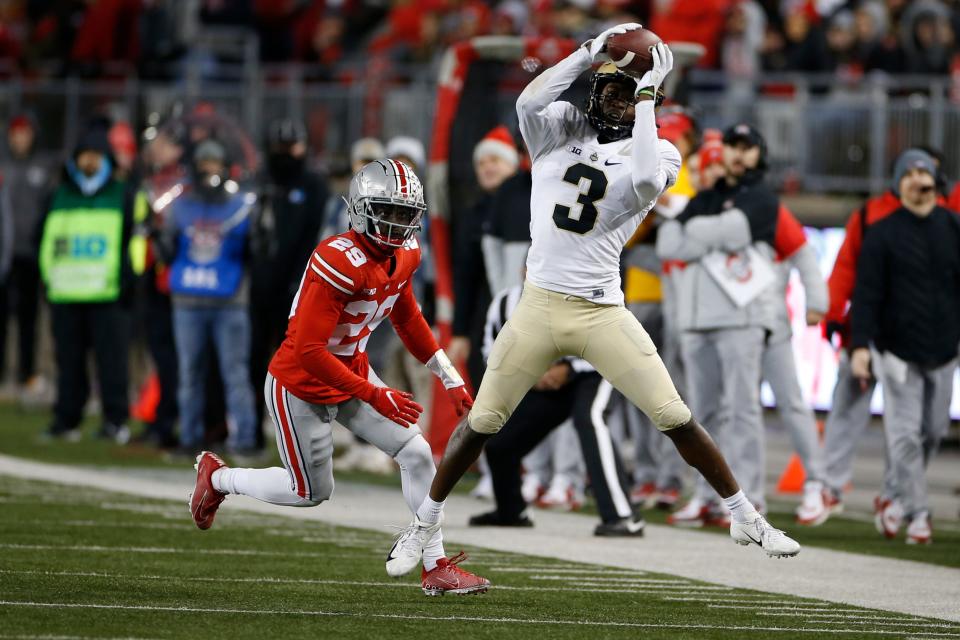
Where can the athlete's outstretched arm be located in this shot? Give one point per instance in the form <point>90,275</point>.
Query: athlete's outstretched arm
<point>656,163</point>
<point>542,121</point>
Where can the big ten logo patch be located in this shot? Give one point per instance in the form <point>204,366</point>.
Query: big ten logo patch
<point>87,247</point>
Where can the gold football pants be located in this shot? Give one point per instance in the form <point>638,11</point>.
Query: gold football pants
<point>547,326</point>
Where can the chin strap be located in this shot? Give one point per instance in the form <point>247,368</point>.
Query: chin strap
<point>441,367</point>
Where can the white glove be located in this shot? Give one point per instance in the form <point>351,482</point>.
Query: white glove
<point>662,65</point>
<point>598,46</point>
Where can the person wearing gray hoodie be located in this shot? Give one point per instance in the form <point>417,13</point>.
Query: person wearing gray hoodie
<point>728,236</point>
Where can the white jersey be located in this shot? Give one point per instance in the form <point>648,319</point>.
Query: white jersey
<point>588,198</point>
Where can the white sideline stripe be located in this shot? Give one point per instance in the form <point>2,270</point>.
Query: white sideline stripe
<point>329,279</point>
<point>315,581</point>
<point>332,270</point>
<point>398,616</point>
<point>578,570</point>
<point>679,583</point>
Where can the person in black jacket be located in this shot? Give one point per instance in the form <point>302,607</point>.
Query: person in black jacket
<point>906,311</point>
<point>495,159</point>
<point>292,214</point>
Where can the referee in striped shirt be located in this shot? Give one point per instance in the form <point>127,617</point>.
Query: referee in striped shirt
<point>570,388</point>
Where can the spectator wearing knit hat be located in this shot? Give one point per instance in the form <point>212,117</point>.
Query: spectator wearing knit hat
<point>506,232</point>
<point>495,159</point>
<point>905,321</point>
<point>85,265</point>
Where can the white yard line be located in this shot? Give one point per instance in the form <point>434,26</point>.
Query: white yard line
<point>829,613</point>
<point>600,576</point>
<point>398,616</point>
<point>741,597</point>
<point>314,581</point>
<point>795,608</point>
<point>562,569</point>
<point>855,579</point>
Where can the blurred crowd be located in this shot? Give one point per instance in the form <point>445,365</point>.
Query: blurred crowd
<point>742,37</point>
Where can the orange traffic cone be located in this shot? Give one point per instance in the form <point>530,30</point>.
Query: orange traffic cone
<point>793,476</point>
<point>145,407</point>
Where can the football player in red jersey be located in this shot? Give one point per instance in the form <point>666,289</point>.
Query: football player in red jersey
<point>320,373</point>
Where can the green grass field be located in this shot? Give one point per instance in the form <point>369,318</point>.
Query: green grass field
<point>19,436</point>
<point>84,563</point>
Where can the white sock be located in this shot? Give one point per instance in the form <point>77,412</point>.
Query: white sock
<point>741,510</point>
<point>220,479</point>
<point>430,511</point>
<point>269,485</point>
<point>433,552</point>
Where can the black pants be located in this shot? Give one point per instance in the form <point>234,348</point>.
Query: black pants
<point>21,294</point>
<point>585,398</point>
<point>77,328</point>
<point>268,326</point>
<point>158,325</point>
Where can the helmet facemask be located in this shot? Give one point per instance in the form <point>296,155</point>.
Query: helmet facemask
<point>605,112</point>
<point>390,222</point>
<point>611,95</point>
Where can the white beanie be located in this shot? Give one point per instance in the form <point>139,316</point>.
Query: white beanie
<point>498,142</point>
<point>409,148</point>
<point>368,149</point>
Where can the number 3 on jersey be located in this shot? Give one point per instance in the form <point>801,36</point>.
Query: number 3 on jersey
<point>581,217</point>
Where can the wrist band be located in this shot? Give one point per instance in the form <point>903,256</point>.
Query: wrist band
<point>441,367</point>
<point>649,92</point>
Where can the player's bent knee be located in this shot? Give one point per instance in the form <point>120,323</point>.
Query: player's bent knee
<point>486,421</point>
<point>416,454</point>
<point>672,415</point>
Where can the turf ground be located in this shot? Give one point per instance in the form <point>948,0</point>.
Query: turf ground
<point>19,436</point>
<point>86,563</point>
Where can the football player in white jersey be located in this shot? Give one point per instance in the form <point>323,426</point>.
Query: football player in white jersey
<point>595,176</point>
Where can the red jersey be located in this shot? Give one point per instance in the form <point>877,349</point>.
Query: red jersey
<point>345,293</point>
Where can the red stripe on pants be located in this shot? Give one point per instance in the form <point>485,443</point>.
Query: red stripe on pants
<point>292,450</point>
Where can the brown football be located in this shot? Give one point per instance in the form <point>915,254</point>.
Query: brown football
<point>630,51</point>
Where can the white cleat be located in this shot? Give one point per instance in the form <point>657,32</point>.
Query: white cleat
<point>759,532</point>
<point>407,549</point>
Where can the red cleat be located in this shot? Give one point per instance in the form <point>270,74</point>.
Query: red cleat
<point>205,500</point>
<point>447,577</point>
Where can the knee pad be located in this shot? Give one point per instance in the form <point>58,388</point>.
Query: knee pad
<point>486,421</point>
<point>672,415</point>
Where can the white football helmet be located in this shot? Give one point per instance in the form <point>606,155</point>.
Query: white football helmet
<point>385,202</point>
